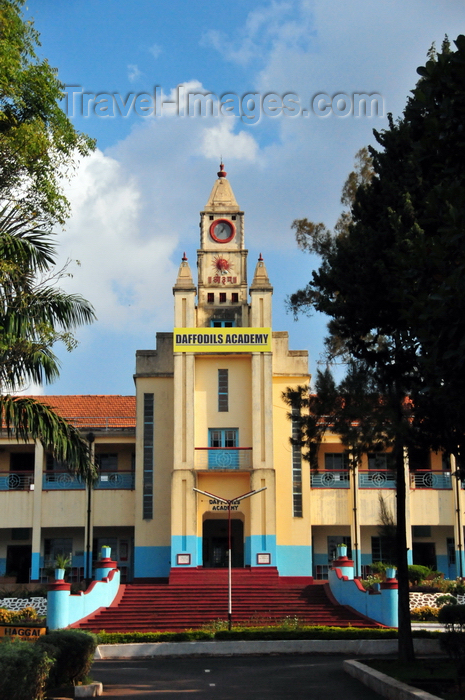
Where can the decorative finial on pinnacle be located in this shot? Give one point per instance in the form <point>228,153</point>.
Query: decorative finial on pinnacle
<point>184,257</point>
<point>222,172</point>
<point>260,259</point>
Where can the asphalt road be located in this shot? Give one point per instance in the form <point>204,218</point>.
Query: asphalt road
<point>300,677</point>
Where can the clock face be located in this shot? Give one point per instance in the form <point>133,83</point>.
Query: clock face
<point>222,231</point>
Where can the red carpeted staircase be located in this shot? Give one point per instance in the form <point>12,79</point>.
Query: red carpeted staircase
<point>195,597</point>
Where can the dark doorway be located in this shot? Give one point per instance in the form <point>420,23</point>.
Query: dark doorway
<point>215,544</point>
<point>18,561</point>
<point>424,553</point>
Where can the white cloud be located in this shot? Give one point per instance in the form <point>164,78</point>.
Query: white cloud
<point>136,206</point>
<point>155,50</point>
<point>133,73</point>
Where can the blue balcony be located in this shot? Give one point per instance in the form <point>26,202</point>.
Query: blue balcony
<point>223,458</point>
<point>55,481</point>
<point>330,479</point>
<point>377,479</point>
<point>16,481</point>
<point>431,480</point>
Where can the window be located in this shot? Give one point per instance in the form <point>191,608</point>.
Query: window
<point>383,549</point>
<point>296,467</point>
<point>107,462</point>
<point>22,462</point>
<point>450,551</point>
<point>418,458</point>
<point>224,437</point>
<point>233,217</point>
<point>421,530</point>
<point>379,460</point>
<point>223,390</point>
<point>222,297</point>
<point>210,297</point>
<point>337,461</point>
<point>147,497</point>
<point>226,323</point>
<point>57,545</point>
<point>235,298</point>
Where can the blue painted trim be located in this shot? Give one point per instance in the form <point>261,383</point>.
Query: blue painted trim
<point>35,566</point>
<point>294,560</point>
<point>86,573</point>
<point>459,559</point>
<point>186,544</point>
<point>409,557</point>
<point>253,546</point>
<point>152,562</point>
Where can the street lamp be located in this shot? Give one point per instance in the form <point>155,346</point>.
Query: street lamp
<point>229,501</point>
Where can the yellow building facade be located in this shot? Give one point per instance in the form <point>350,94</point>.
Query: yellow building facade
<point>216,384</point>
<point>208,422</point>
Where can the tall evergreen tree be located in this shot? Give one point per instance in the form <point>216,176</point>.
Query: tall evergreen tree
<point>393,285</point>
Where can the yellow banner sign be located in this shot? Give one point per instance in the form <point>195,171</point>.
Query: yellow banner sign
<point>29,634</point>
<point>222,340</point>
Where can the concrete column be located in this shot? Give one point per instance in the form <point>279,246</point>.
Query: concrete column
<point>39,463</point>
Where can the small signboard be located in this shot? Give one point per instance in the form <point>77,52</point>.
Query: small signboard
<point>28,634</point>
<point>263,558</point>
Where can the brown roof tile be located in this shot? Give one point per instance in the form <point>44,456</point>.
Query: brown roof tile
<point>94,411</point>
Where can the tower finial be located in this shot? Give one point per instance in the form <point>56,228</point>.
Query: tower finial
<point>260,259</point>
<point>222,172</point>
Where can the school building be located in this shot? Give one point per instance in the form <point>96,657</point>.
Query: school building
<point>208,415</point>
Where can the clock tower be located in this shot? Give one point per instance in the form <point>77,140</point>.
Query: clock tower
<point>222,260</point>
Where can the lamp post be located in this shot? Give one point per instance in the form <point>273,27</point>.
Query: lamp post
<point>90,439</point>
<point>229,501</point>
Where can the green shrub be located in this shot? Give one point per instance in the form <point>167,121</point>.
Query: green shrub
<point>24,669</point>
<point>417,573</point>
<point>425,613</point>
<point>153,637</point>
<point>456,588</point>
<point>446,600</point>
<point>453,617</point>
<point>73,652</point>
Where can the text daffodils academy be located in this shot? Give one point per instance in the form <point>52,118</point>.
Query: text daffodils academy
<point>222,339</point>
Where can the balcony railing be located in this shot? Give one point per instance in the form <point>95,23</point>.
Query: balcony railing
<point>16,481</point>
<point>430,480</point>
<point>379,479</point>
<point>330,479</point>
<point>54,481</point>
<point>223,458</point>
<point>116,480</point>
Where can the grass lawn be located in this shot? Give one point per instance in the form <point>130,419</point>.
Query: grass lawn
<point>436,676</point>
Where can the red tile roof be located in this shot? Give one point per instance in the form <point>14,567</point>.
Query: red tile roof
<point>95,411</point>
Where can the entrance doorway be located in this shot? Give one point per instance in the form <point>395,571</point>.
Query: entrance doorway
<point>424,553</point>
<point>18,559</point>
<point>215,544</point>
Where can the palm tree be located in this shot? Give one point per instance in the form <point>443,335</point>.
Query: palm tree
<point>34,314</point>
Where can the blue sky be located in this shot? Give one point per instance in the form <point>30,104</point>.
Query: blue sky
<point>136,201</point>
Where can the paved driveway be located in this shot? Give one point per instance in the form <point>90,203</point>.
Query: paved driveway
<point>305,677</point>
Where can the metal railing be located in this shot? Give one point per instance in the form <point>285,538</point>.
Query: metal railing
<point>223,458</point>
<point>330,479</point>
<point>116,480</point>
<point>377,479</point>
<point>55,481</point>
<point>430,480</point>
<point>16,481</point>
